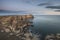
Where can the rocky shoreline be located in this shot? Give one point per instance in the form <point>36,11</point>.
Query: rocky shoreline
<point>16,27</point>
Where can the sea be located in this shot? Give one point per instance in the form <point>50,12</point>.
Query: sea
<point>46,24</point>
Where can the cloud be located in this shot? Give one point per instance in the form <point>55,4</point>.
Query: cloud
<point>28,7</point>
<point>10,11</point>
<point>50,12</point>
<point>53,7</point>
<point>57,10</point>
<point>44,4</point>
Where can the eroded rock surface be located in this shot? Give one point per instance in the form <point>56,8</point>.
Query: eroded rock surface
<point>15,27</point>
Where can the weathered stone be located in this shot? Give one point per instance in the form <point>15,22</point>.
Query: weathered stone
<point>16,25</point>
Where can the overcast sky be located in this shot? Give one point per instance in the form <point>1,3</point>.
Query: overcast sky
<point>40,7</point>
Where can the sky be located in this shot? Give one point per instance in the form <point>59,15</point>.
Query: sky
<point>36,7</point>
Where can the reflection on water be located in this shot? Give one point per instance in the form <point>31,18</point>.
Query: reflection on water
<point>46,24</point>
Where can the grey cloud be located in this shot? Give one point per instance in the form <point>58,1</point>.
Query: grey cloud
<point>57,10</point>
<point>43,4</point>
<point>10,11</point>
<point>53,7</point>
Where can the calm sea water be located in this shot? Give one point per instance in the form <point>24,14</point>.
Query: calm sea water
<point>46,24</point>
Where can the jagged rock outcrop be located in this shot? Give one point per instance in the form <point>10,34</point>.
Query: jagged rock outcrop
<point>16,27</point>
